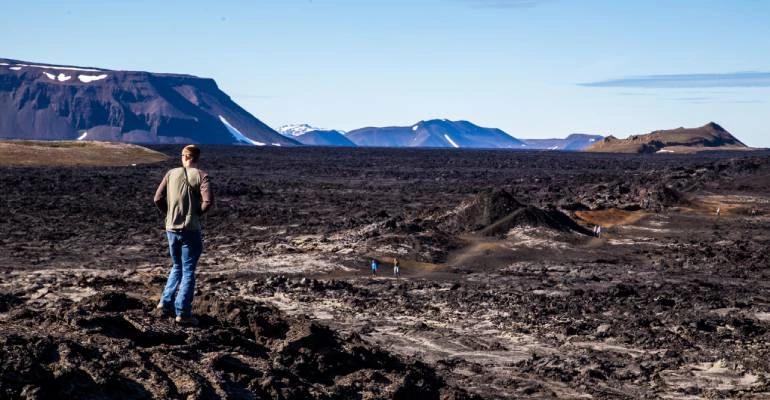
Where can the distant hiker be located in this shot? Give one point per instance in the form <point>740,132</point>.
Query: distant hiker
<point>184,195</point>
<point>396,272</point>
<point>598,230</point>
<point>375,265</point>
<point>718,210</point>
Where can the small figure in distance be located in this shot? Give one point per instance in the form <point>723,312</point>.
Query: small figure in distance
<point>396,271</point>
<point>598,231</point>
<point>718,210</point>
<point>375,265</point>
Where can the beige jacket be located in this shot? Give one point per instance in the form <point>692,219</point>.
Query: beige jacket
<point>184,195</point>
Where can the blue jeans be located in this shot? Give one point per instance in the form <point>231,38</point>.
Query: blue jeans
<point>185,248</point>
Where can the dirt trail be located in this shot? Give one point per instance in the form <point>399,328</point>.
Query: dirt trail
<point>610,218</point>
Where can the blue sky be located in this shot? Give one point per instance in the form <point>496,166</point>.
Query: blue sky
<point>533,68</point>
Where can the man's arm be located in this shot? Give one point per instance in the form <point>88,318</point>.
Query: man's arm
<point>160,195</point>
<point>207,195</point>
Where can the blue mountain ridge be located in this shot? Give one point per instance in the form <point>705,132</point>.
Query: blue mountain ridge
<point>437,133</point>
<point>573,142</point>
<point>324,138</point>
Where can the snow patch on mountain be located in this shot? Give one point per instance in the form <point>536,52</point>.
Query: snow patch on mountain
<point>237,134</point>
<point>61,77</point>
<point>294,130</point>
<point>91,78</point>
<point>452,142</point>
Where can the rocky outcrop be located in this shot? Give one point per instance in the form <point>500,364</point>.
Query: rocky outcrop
<point>707,137</point>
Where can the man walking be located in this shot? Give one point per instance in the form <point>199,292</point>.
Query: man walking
<point>184,195</point>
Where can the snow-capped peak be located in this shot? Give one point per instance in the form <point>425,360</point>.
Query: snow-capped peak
<point>294,130</point>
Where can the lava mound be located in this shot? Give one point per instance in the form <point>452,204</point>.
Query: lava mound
<point>534,216</point>
<point>482,211</point>
<point>495,212</point>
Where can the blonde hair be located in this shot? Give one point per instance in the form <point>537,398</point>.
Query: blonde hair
<point>193,150</point>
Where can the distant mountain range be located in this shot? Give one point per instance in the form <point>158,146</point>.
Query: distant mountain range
<point>573,142</point>
<point>435,133</point>
<point>61,102</point>
<point>680,140</point>
<point>312,136</point>
<point>432,133</point>
<point>57,102</point>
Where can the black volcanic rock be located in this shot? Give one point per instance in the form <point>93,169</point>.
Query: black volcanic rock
<point>66,103</point>
<point>435,133</point>
<point>495,212</point>
<point>534,217</point>
<point>486,208</point>
<point>324,138</point>
<point>573,142</point>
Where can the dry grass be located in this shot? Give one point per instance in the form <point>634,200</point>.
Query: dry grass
<point>74,153</point>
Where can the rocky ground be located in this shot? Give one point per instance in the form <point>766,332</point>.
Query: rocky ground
<point>504,293</point>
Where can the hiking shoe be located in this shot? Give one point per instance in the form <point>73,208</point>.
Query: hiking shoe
<point>162,310</point>
<point>187,321</point>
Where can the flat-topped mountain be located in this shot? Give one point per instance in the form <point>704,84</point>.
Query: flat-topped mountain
<point>680,140</point>
<point>435,133</point>
<point>57,102</point>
